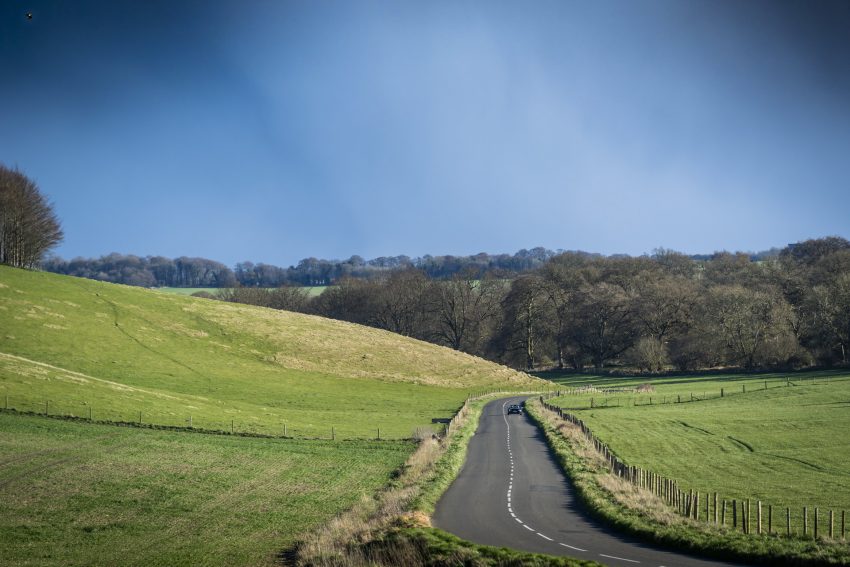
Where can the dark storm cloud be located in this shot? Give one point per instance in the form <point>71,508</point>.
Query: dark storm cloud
<point>331,127</point>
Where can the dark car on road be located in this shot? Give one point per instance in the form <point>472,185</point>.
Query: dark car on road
<point>514,408</point>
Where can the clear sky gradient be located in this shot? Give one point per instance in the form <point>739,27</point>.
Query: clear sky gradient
<point>277,130</point>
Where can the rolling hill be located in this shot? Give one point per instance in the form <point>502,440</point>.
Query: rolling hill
<point>80,347</point>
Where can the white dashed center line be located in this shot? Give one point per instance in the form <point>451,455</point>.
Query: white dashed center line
<point>618,558</point>
<point>510,496</point>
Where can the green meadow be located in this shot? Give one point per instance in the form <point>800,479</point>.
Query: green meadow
<point>778,438</point>
<point>86,494</point>
<point>79,347</point>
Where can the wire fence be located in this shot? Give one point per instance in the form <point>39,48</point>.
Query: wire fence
<point>595,398</point>
<point>245,426</point>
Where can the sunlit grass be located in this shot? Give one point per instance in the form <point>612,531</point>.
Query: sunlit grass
<point>81,494</point>
<point>783,441</point>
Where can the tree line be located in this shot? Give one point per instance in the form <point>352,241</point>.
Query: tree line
<point>158,271</point>
<point>650,313</point>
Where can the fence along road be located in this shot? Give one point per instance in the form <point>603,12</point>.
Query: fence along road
<point>511,493</point>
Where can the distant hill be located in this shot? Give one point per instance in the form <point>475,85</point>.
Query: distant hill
<point>72,345</point>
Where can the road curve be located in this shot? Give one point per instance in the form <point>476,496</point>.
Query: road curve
<point>512,493</point>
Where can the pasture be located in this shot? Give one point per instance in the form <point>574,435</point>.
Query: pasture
<point>778,438</point>
<point>82,494</point>
<point>74,346</point>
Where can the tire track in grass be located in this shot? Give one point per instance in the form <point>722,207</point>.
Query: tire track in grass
<point>79,452</point>
<point>742,444</point>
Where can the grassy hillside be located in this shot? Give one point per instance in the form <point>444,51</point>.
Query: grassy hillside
<point>83,494</point>
<point>72,346</point>
<point>776,438</point>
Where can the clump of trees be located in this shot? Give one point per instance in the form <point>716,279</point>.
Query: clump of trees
<point>653,313</point>
<point>28,226</point>
<point>151,271</point>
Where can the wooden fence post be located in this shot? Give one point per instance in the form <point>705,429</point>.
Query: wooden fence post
<point>715,509</point>
<point>842,524</point>
<point>831,519</point>
<point>47,407</point>
<point>805,521</point>
<point>89,413</point>
<point>190,422</point>
<point>816,522</point>
<point>333,434</point>
<point>379,434</point>
<point>770,518</point>
<point>788,522</point>
<point>723,517</point>
<point>7,402</point>
<point>721,392</point>
<point>758,527</point>
<point>735,514</point>
<point>140,417</point>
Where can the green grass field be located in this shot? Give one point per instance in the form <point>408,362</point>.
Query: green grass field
<point>70,346</point>
<point>784,441</point>
<point>86,494</point>
<point>312,291</point>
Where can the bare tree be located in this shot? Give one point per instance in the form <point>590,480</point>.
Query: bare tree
<point>832,303</point>
<point>404,303</point>
<point>28,225</point>
<point>664,306</point>
<point>605,322</point>
<point>649,354</point>
<point>561,285</point>
<point>464,306</point>
<point>524,325</point>
<point>752,324</point>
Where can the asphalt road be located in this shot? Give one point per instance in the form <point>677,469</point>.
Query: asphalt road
<point>511,493</point>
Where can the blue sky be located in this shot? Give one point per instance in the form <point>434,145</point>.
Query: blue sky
<point>273,131</point>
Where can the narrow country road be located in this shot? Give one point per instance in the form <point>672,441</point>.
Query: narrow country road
<point>512,493</point>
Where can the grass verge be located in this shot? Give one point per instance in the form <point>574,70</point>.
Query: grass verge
<point>435,548</point>
<point>643,514</point>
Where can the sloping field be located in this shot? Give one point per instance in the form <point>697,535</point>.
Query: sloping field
<point>88,494</point>
<point>777,438</point>
<point>74,346</point>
